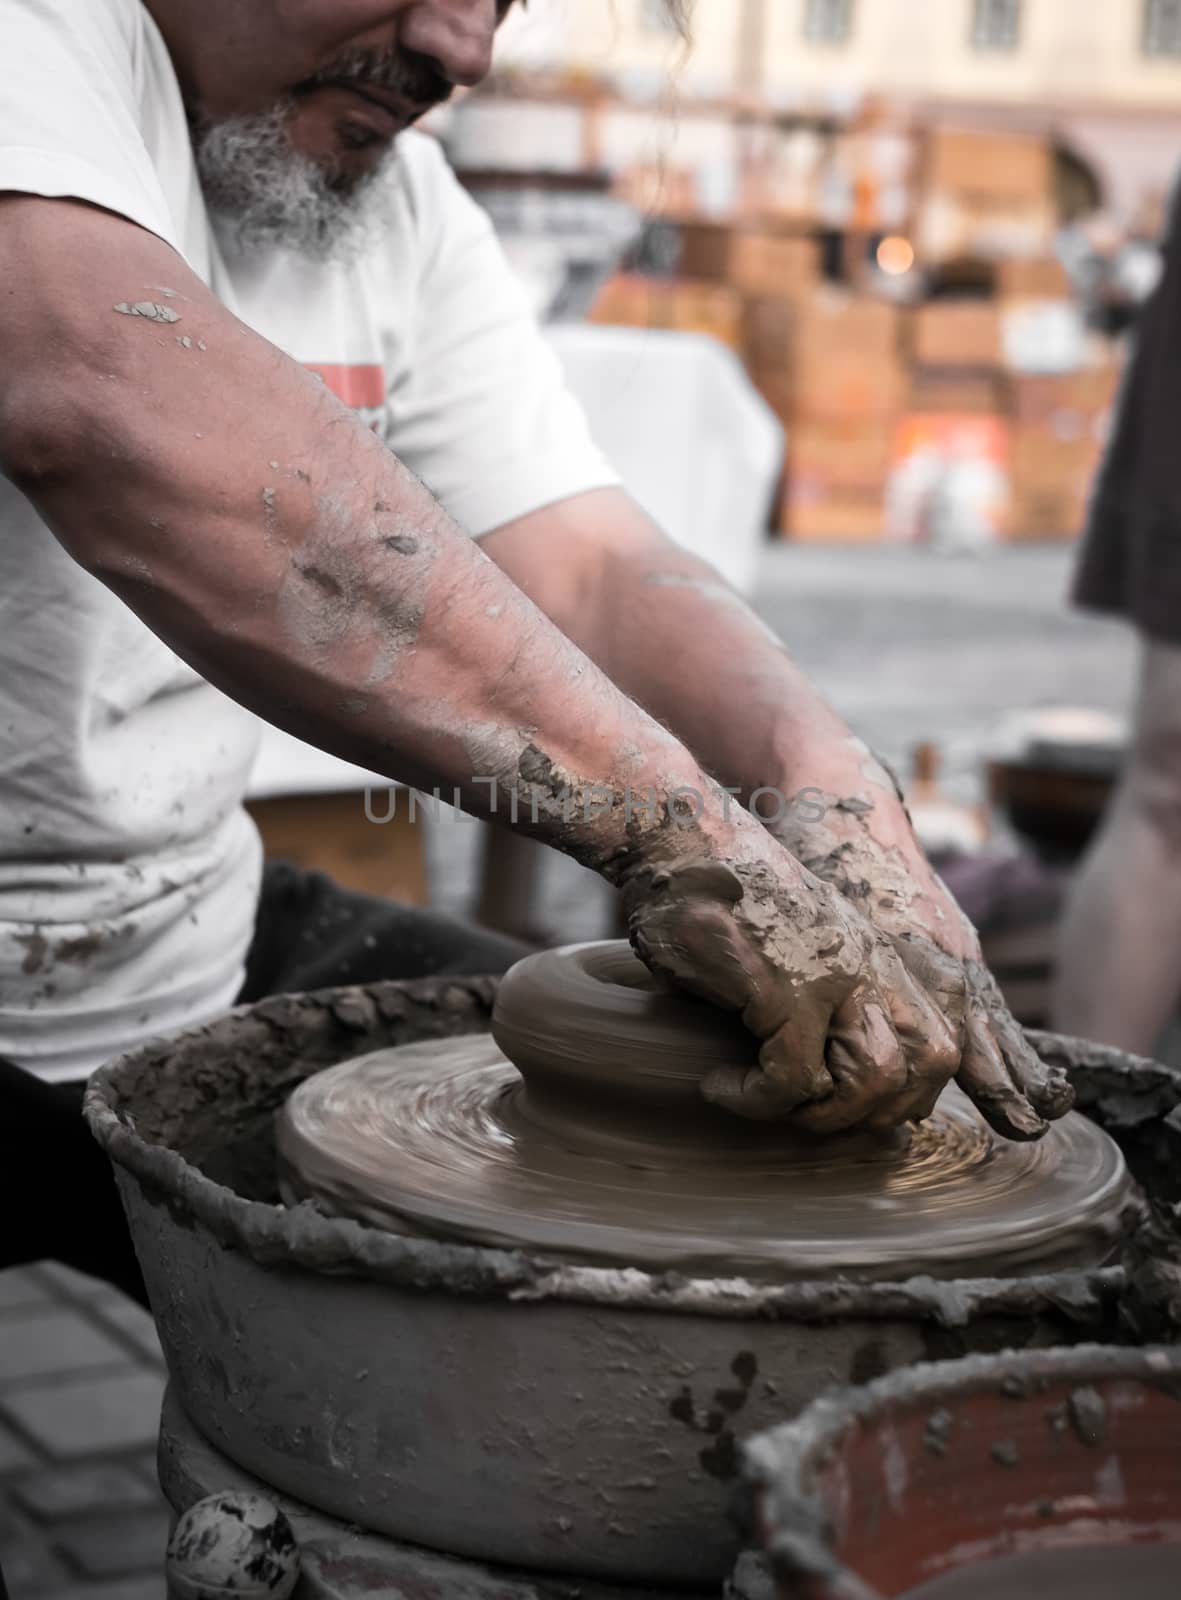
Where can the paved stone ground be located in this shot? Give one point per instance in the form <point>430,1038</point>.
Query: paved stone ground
<point>909,646</point>
<point>914,646</point>
<point>81,1380</point>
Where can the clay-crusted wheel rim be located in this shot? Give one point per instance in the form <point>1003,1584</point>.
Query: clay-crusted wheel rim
<point>307,1036</point>
<point>442,1139</point>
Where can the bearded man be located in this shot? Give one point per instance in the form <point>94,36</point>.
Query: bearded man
<point>279,433</point>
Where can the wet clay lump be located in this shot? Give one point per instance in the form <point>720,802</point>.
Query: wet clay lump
<point>578,1131</point>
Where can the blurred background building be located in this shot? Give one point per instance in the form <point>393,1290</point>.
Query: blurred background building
<point>923,228</point>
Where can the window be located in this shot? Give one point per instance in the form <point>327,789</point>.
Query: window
<point>1162,28</point>
<point>996,24</point>
<point>828,21</point>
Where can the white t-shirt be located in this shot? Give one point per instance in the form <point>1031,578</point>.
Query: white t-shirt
<point>128,869</point>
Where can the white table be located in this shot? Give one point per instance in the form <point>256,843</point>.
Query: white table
<point>693,440</point>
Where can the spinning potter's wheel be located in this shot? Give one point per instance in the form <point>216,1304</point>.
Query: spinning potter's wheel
<point>577,1130</point>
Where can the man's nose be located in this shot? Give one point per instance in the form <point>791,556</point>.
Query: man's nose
<point>456,34</point>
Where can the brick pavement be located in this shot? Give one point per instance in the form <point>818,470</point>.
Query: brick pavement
<point>81,1379</point>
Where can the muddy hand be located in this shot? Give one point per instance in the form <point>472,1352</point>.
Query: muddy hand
<point>848,1037</point>
<point>866,849</point>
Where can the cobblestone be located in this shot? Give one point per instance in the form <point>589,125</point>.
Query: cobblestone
<point>13,1454</point>
<point>133,1324</point>
<point>84,1490</point>
<point>144,1588</point>
<point>77,1285</point>
<point>75,1417</point>
<point>54,1339</point>
<point>19,1288</point>
<point>81,1515</point>
<point>31,1564</point>
<point>116,1544</point>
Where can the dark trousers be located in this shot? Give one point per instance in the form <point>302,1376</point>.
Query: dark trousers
<point>58,1199</point>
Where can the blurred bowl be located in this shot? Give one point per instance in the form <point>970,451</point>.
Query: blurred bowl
<point>1054,809</point>
<point>1051,773</point>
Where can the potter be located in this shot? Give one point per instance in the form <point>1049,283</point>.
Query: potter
<point>355,497</point>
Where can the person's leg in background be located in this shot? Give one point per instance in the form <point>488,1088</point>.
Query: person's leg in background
<point>1119,969</point>
<point>57,1188</point>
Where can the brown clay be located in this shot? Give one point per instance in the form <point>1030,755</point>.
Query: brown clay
<point>601,1149</point>
<point>1090,1572</point>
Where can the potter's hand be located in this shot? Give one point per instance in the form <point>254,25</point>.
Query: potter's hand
<point>848,1036</point>
<point>865,847</point>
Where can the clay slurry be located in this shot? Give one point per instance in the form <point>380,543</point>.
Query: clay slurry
<point>601,1150</point>
<point>1087,1572</point>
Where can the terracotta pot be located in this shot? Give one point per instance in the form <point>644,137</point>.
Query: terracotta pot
<point>875,1491</point>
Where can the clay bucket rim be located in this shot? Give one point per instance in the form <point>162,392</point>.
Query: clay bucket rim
<point>781,1468</point>
<point>275,1236</point>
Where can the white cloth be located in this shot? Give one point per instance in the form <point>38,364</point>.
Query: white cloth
<point>692,439</point>
<point>128,870</point>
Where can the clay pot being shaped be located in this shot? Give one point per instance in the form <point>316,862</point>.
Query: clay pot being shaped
<point>1048,1473</point>
<point>512,1406</point>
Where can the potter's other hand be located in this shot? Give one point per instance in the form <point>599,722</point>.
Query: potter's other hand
<point>867,850</point>
<point>848,1037</point>
<point>1015,1089</point>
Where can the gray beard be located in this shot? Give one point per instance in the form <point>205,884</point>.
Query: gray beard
<point>266,194</point>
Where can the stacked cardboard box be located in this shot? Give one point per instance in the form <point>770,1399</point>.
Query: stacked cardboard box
<point>1060,424</point>
<point>950,391</point>
<point>1032,278</point>
<point>839,400</point>
<point>775,266</point>
<point>631,300</point>
<point>985,195</point>
<point>983,415</point>
<point>755,262</point>
<point>1042,324</point>
<point>950,475</point>
<point>957,333</point>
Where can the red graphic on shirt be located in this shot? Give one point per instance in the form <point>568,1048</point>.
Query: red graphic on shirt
<point>358,386</point>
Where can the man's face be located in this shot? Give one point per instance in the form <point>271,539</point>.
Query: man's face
<point>286,94</point>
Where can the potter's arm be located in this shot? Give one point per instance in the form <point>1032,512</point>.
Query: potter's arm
<point>677,637</point>
<point>670,631</point>
<point>265,533</point>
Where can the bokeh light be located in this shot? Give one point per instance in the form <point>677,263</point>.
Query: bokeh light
<point>895,256</point>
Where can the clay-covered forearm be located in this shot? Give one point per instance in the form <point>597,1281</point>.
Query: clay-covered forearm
<point>266,534</point>
<point>671,632</point>
<point>688,647</point>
